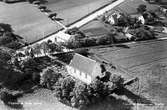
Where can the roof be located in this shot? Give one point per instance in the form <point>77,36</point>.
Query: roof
<point>83,64</point>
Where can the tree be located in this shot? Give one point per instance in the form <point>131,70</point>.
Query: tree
<point>104,40</point>
<point>144,33</point>
<point>97,87</point>
<point>6,54</point>
<point>6,27</point>
<point>80,95</point>
<point>58,89</point>
<point>13,45</point>
<point>89,42</point>
<point>54,47</point>
<point>49,77</point>
<point>73,44</point>
<point>5,39</point>
<point>141,8</point>
<point>67,86</point>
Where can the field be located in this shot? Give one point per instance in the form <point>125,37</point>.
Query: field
<point>28,22</point>
<point>147,61</point>
<point>73,10</point>
<point>33,25</point>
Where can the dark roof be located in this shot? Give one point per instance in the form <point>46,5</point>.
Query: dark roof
<point>83,63</point>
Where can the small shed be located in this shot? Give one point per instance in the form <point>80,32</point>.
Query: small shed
<point>84,68</point>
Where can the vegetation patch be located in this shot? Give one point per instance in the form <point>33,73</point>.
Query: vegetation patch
<point>8,38</point>
<point>75,93</point>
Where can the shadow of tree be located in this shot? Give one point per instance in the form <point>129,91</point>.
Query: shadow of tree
<point>48,11</point>
<point>135,98</point>
<point>123,46</point>
<point>15,1</point>
<point>110,103</point>
<point>59,19</point>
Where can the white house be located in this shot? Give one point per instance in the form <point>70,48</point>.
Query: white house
<point>83,68</point>
<point>63,37</point>
<point>113,18</point>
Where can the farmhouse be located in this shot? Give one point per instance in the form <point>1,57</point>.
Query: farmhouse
<point>84,69</point>
<point>63,37</point>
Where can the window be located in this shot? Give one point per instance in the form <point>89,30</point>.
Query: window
<point>77,73</point>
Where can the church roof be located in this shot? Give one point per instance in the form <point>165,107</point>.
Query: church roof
<point>83,64</point>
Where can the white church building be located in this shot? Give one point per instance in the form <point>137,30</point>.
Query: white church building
<point>83,68</point>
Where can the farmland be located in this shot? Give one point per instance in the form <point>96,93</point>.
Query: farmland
<point>77,8</point>
<point>30,23</point>
<point>146,60</point>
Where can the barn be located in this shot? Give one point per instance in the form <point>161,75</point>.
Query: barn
<point>83,68</point>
